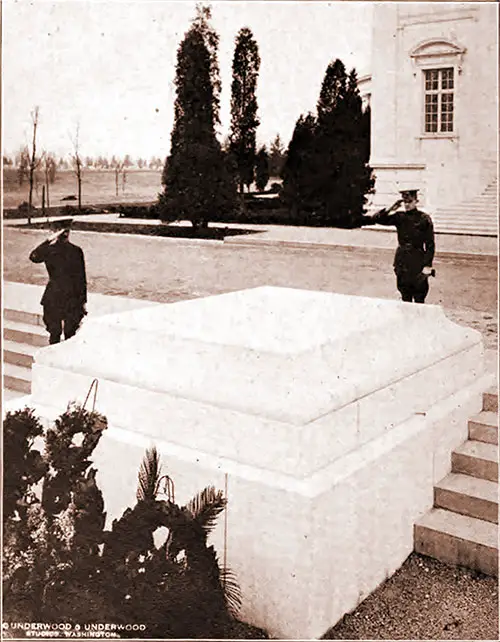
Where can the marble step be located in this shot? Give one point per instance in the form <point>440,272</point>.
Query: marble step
<point>20,354</point>
<point>20,332</point>
<point>10,395</point>
<point>22,316</point>
<point>457,539</point>
<point>490,400</point>
<point>476,458</point>
<point>484,427</point>
<point>17,378</point>
<point>468,496</point>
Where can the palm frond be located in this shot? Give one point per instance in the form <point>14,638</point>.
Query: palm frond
<point>232,591</point>
<point>149,475</point>
<point>206,506</point>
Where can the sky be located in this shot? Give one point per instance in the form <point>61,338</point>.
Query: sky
<point>108,68</point>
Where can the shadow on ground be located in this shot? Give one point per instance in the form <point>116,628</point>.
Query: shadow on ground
<point>167,231</point>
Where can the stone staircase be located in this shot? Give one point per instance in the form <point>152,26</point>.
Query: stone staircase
<point>476,217</point>
<point>24,331</point>
<point>461,528</point>
<point>23,334</point>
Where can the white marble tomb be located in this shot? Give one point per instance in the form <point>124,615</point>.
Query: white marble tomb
<point>326,418</point>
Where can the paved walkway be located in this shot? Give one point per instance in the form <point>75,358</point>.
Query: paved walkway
<point>312,237</point>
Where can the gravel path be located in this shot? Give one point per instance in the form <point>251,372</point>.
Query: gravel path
<point>167,270</point>
<point>425,599</point>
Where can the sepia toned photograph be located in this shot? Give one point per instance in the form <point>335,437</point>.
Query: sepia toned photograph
<point>250,320</point>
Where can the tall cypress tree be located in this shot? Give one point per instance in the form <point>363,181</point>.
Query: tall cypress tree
<point>244,121</point>
<point>277,157</point>
<point>326,174</point>
<point>366,132</point>
<point>197,183</point>
<point>261,169</point>
<point>299,169</point>
<point>331,145</point>
<point>344,177</point>
<point>357,179</point>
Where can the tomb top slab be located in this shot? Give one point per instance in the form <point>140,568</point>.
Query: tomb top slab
<point>282,354</point>
<point>268,319</point>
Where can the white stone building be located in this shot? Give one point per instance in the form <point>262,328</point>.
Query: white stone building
<point>434,103</point>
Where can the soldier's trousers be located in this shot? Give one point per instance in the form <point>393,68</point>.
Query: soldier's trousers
<point>413,288</point>
<point>57,320</point>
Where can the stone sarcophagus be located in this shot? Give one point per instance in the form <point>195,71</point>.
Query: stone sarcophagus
<point>325,418</point>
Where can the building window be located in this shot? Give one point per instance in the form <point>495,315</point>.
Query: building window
<point>439,88</point>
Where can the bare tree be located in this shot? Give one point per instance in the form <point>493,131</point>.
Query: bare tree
<point>119,167</point>
<point>22,164</point>
<point>50,169</point>
<point>33,160</point>
<point>77,164</point>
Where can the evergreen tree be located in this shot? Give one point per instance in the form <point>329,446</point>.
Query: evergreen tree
<point>244,121</point>
<point>333,91</point>
<point>261,169</point>
<point>299,168</point>
<point>196,178</point>
<point>201,23</point>
<point>366,132</point>
<point>277,157</point>
<point>327,172</point>
<point>343,178</point>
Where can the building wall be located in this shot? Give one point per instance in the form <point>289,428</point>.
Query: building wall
<point>447,168</point>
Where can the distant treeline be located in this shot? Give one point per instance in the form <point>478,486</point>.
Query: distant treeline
<point>21,160</point>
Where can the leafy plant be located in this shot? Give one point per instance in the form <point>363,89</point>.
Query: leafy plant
<point>57,525</point>
<point>61,565</point>
<point>25,466</point>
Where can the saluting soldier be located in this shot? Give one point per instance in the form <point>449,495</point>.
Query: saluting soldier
<point>65,296</point>
<point>415,252</point>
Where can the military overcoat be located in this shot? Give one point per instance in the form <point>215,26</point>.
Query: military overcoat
<point>67,287</point>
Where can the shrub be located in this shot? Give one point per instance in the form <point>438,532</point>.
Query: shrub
<point>61,565</point>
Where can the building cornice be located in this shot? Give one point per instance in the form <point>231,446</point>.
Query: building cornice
<point>465,12</point>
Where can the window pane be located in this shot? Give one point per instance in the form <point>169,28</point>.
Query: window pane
<point>446,125</point>
<point>431,80</point>
<point>447,102</point>
<point>447,78</point>
<point>447,113</point>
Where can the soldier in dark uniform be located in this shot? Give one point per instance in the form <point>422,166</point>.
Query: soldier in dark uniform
<point>415,252</point>
<point>65,296</point>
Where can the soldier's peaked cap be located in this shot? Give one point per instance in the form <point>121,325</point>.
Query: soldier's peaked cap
<point>62,224</point>
<point>409,193</point>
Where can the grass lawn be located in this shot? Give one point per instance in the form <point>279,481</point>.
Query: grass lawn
<point>98,186</point>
